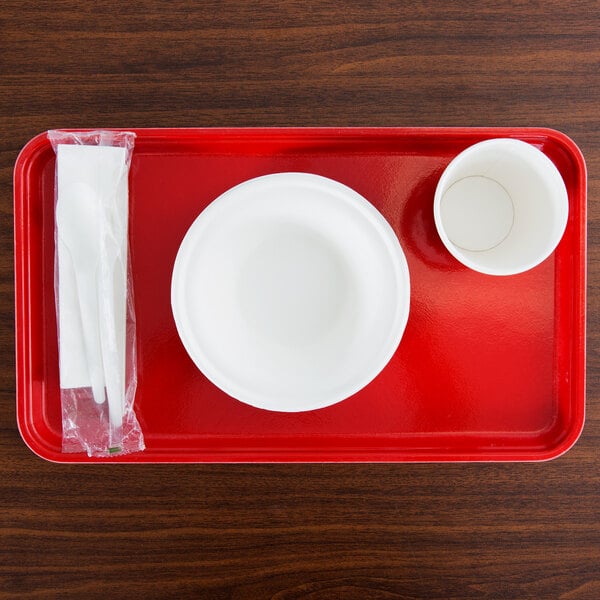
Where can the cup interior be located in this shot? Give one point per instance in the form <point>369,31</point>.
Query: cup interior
<point>501,207</point>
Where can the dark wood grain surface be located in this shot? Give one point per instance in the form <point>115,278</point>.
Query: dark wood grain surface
<point>299,531</point>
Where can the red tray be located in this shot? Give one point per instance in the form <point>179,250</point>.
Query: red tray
<point>489,368</point>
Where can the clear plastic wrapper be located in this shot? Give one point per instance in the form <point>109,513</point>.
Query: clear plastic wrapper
<point>94,302</point>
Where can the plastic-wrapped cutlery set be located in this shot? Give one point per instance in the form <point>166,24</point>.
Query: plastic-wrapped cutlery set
<point>96,318</point>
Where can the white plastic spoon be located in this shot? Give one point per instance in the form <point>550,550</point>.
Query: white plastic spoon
<point>78,222</point>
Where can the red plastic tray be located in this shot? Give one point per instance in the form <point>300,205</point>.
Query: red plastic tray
<point>489,368</point>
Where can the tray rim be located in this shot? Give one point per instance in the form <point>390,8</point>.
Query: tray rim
<point>35,440</point>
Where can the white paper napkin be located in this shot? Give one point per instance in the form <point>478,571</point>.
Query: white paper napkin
<point>104,169</point>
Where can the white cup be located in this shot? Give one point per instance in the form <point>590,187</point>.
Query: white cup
<point>501,207</point>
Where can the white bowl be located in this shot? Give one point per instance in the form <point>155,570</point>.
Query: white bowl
<point>290,292</point>
<point>501,207</point>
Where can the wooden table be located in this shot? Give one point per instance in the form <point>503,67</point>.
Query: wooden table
<point>435,531</point>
